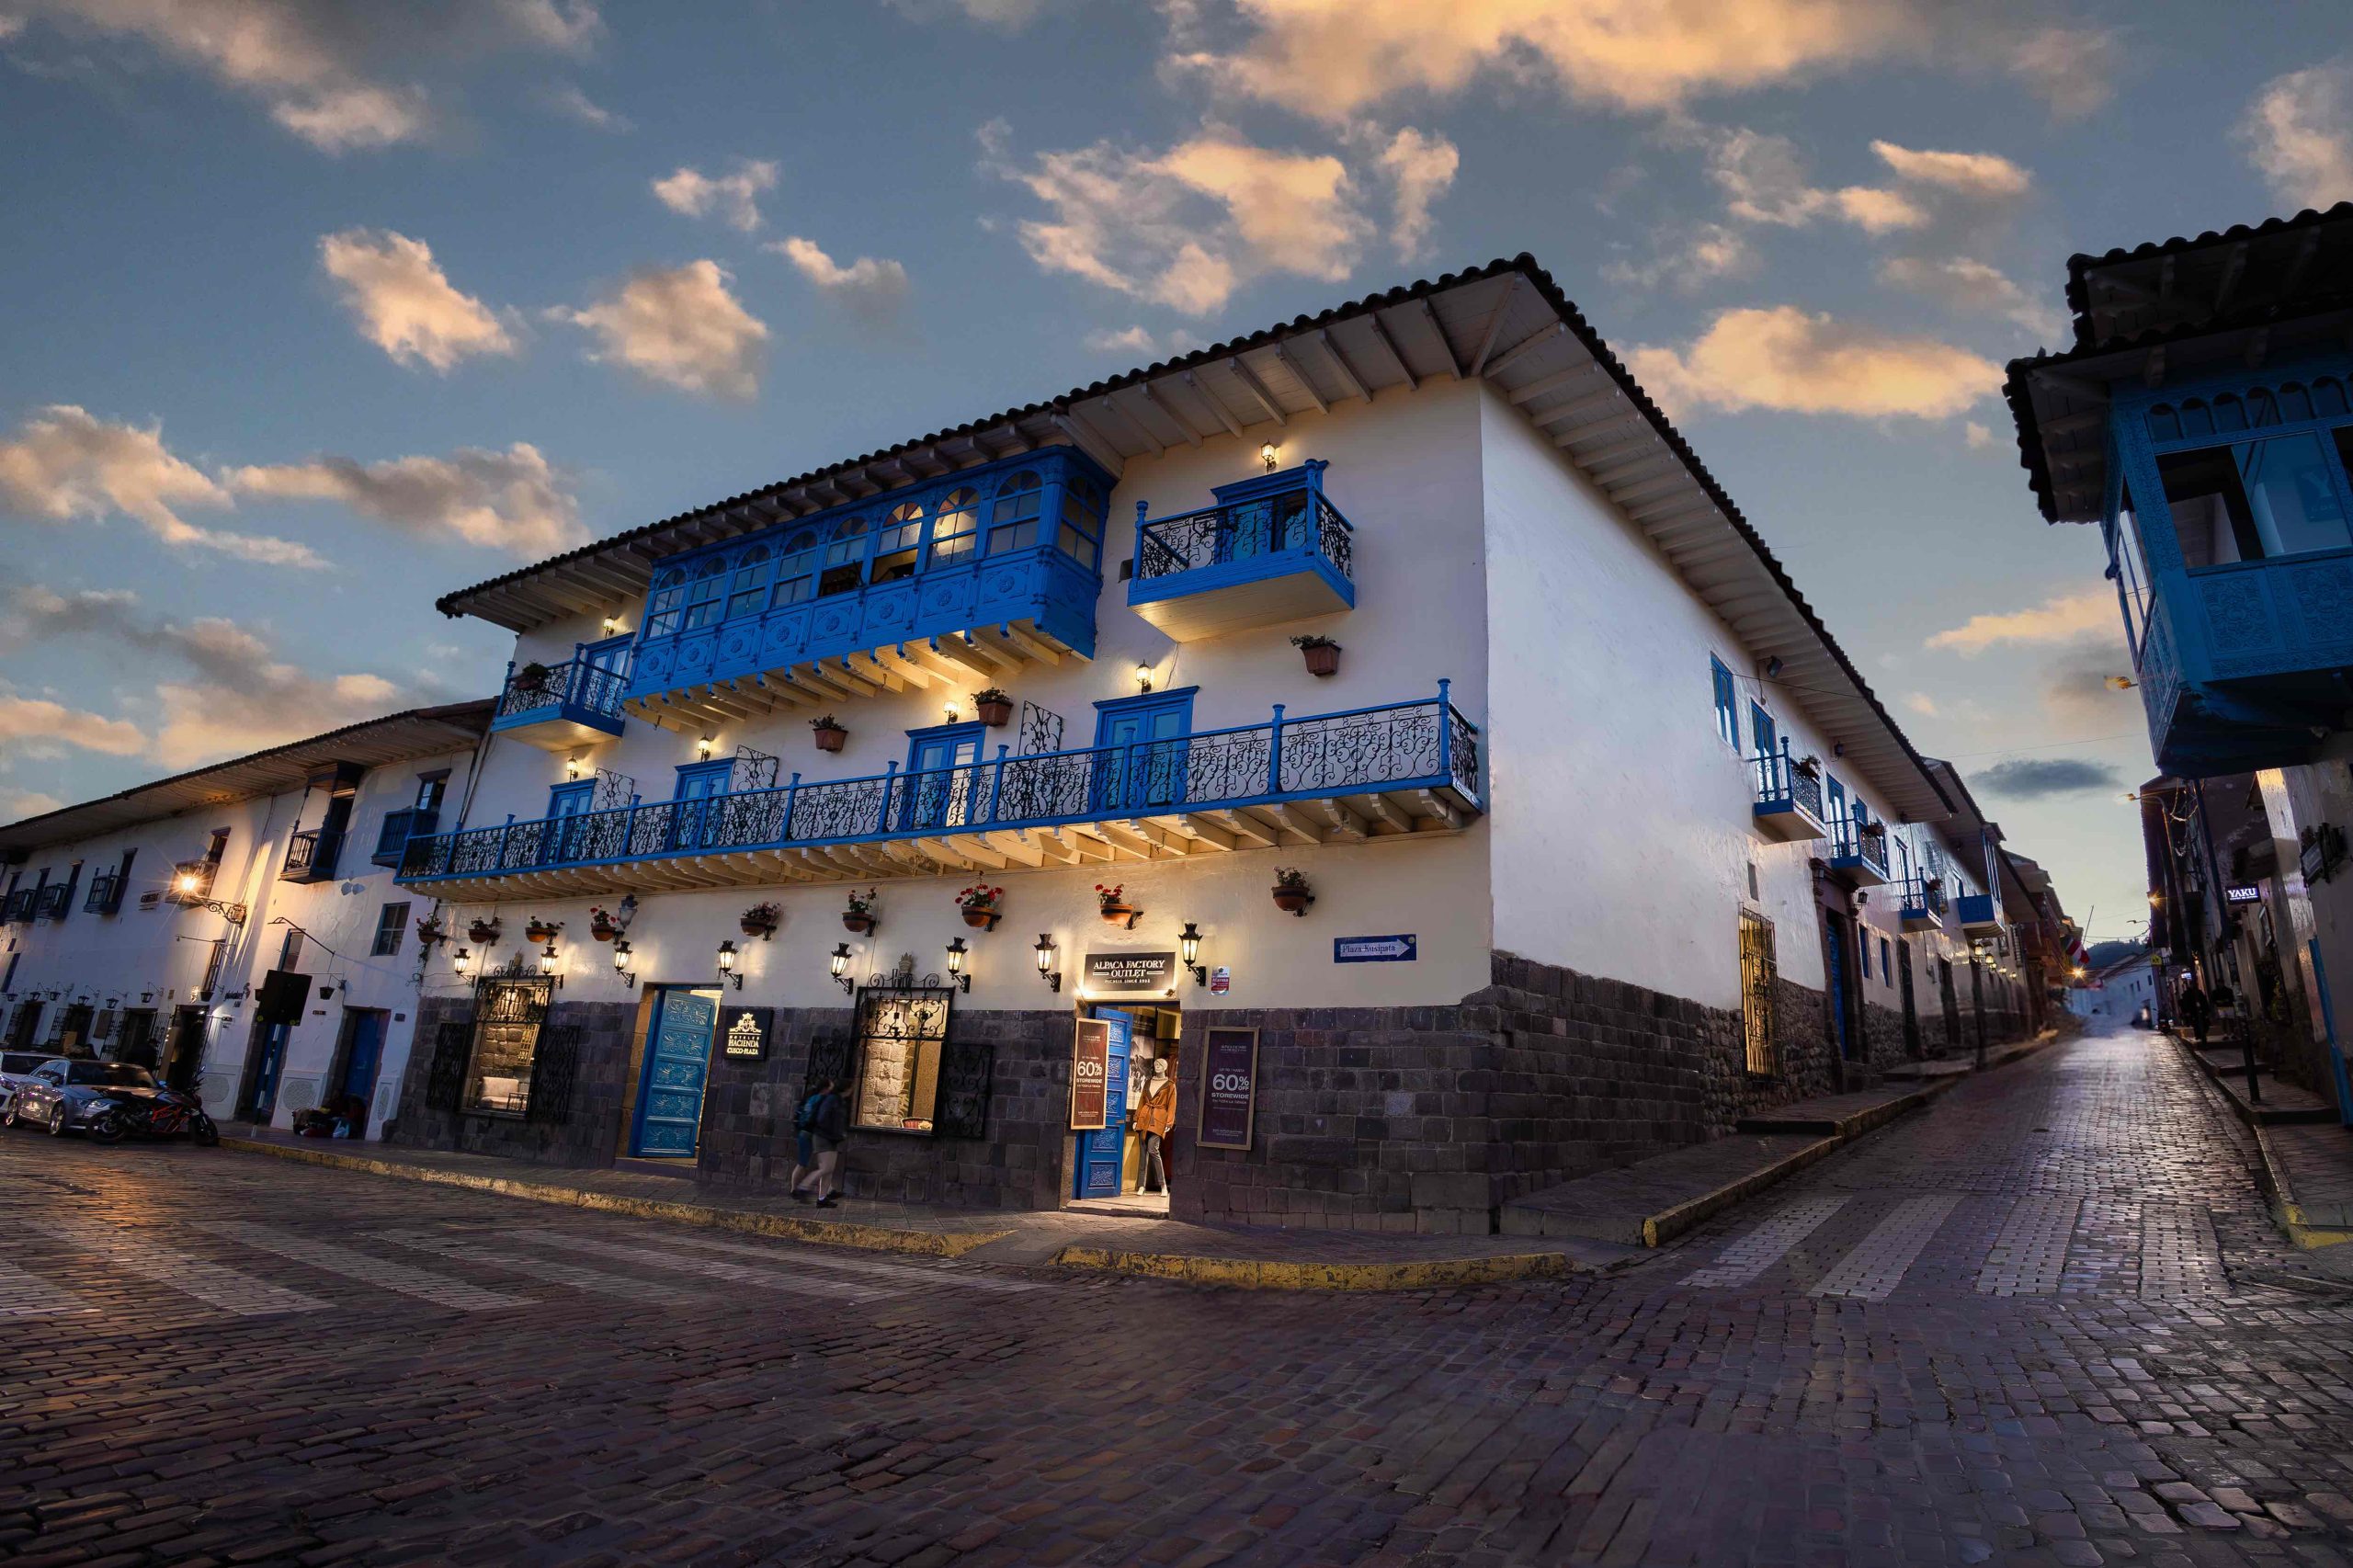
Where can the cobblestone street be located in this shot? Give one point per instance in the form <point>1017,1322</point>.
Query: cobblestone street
<point>2006,1329</point>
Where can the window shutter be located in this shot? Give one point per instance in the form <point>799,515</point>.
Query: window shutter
<point>555,1069</point>
<point>966,1070</point>
<point>445,1080</point>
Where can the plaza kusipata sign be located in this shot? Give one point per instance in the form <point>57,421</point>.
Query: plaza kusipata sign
<point>1229,1088</point>
<point>1090,1076</point>
<point>1123,973</point>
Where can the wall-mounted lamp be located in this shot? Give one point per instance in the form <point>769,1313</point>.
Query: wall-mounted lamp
<point>1188,947</point>
<point>185,883</point>
<point>1143,677</point>
<point>461,960</point>
<point>571,766</point>
<point>948,708</point>
<point>727,964</point>
<point>548,964</point>
<point>622,950</point>
<point>703,747</point>
<point>839,965</point>
<point>2122,682</point>
<point>1772,667</point>
<point>612,625</point>
<point>955,951</point>
<point>1045,951</point>
<point>145,997</point>
<point>1268,454</point>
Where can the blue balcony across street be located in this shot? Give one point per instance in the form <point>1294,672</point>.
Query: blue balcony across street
<point>1788,797</point>
<point>310,855</point>
<point>1272,549</point>
<point>1369,772</point>
<point>963,577</point>
<point>1859,851</point>
<point>1921,905</point>
<point>562,707</point>
<point>1980,916</point>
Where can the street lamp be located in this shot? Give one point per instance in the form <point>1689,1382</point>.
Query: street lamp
<point>839,966</point>
<point>1046,969</point>
<point>1188,947</point>
<point>621,951</point>
<point>955,951</point>
<point>727,964</point>
<point>460,960</point>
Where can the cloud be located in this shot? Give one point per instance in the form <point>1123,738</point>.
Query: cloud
<point>1975,436</point>
<point>1009,16</point>
<point>2033,779</point>
<point>1986,175</point>
<point>2299,133</point>
<point>1419,167</point>
<point>35,725</point>
<point>571,102</point>
<point>1963,283</point>
<point>1187,227</point>
<point>2074,69</point>
<point>735,197</point>
<point>1920,702</point>
<point>679,326</point>
<point>404,305</point>
<point>1142,343</point>
<point>1687,259</point>
<point>1781,358</point>
<point>2061,619</point>
<point>318,66</point>
<point>269,706</point>
<point>1764,181</point>
<point>2075,682</point>
<point>869,286</point>
<point>17,804</point>
<point>65,464</point>
<point>511,500</point>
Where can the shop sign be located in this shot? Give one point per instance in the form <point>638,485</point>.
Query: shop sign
<point>1229,1088</point>
<point>1133,974</point>
<point>1375,949</point>
<point>743,1032</point>
<point>2243,895</point>
<point>1221,981</point>
<point>1090,1076</point>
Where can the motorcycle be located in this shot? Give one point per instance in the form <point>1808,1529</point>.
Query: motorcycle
<point>166,1115</point>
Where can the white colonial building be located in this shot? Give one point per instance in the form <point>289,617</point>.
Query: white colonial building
<point>1381,726</point>
<point>237,928</point>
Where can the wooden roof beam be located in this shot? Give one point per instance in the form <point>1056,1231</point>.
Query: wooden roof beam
<point>1494,328</point>
<point>1445,344</point>
<point>1389,344</point>
<point>1184,427</point>
<point>1193,379</point>
<point>1257,389</point>
<point>1340,363</point>
<point>1306,384</point>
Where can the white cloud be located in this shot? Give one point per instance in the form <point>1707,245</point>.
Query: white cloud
<point>1187,227</point>
<point>1977,438</point>
<point>2061,619</point>
<point>1010,16</point>
<point>2074,69</point>
<point>572,103</point>
<point>1687,259</point>
<point>681,326</point>
<point>511,500</point>
<point>1920,702</point>
<point>404,305</point>
<point>272,704</point>
<point>65,465</point>
<point>1142,343</point>
<point>1784,359</point>
<point>2299,133</point>
<point>1764,181</point>
<point>1419,167</point>
<point>1987,176</point>
<point>1964,283</point>
<point>18,804</point>
<point>35,723</point>
<point>316,65</point>
<point>735,197</point>
<point>869,287</point>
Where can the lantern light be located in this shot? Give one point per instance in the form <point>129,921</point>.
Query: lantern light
<point>1046,969</point>
<point>1188,947</point>
<point>460,960</point>
<point>703,747</point>
<point>1143,677</point>
<point>727,964</point>
<point>548,964</point>
<point>955,951</point>
<point>838,965</point>
<point>1268,454</point>
<point>621,952</point>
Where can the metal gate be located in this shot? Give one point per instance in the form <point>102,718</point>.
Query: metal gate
<point>1757,974</point>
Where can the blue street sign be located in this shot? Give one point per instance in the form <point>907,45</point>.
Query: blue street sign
<point>1374,949</point>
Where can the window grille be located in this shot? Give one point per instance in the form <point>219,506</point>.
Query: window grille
<point>1758,974</point>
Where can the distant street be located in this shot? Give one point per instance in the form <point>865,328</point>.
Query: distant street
<point>2005,1330</point>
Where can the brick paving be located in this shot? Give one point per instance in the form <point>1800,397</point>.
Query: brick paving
<point>2048,1361</point>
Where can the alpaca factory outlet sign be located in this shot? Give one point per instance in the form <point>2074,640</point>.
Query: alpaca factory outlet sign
<point>1130,974</point>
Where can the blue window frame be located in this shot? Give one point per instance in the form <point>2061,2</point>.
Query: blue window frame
<point>1835,793</point>
<point>1081,534</point>
<point>1727,702</point>
<point>1768,733</point>
<point>1140,750</point>
<point>945,784</point>
<point>1013,519</point>
<point>700,783</point>
<point>567,804</point>
<point>955,526</point>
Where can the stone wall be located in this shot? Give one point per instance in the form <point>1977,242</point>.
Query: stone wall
<point>589,1130</point>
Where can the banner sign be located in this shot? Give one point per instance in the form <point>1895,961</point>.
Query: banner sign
<point>1375,949</point>
<point>1133,975</point>
<point>2243,895</point>
<point>1229,1088</point>
<point>743,1032</point>
<point>1090,1076</point>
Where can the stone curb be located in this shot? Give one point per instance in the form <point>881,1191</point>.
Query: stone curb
<point>1273,1274</point>
<point>2270,1174</point>
<point>828,1232</point>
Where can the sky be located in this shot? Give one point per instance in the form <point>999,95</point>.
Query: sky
<point>317,310</point>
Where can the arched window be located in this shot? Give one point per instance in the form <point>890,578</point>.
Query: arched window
<point>703,590</point>
<point>1013,520</point>
<point>1081,534</point>
<point>2230,414</point>
<point>901,540</point>
<point>2261,407</point>
<point>955,525</point>
<point>2164,425</point>
<point>2328,397</point>
<point>749,593</point>
<point>845,558</point>
<point>795,570</point>
<point>2295,403</point>
<point>2197,419</point>
<point>661,609</point>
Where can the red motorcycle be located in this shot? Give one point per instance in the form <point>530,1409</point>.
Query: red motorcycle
<point>160,1113</point>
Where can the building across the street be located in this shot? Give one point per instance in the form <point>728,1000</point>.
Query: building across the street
<point>1367,770</point>
<point>2200,420</point>
<point>2124,992</point>
<point>237,928</point>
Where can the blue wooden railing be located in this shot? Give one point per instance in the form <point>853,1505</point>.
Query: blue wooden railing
<point>576,686</point>
<point>1290,516</point>
<point>1425,744</point>
<point>310,855</point>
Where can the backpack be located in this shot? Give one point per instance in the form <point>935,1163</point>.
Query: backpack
<point>805,1119</point>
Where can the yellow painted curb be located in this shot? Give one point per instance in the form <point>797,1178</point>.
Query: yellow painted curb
<point>1266,1274</point>
<point>793,1227</point>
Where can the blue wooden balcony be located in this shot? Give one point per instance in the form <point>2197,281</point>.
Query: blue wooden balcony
<point>562,707</point>
<point>310,856</point>
<point>1272,549</point>
<point>1333,778</point>
<point>1980,915</point>
<point>1859,852</point>
<point>2241,681</point>
<point>1921,904</point>
<point>1788,797</point>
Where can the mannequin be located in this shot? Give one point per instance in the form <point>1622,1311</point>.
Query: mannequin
<point>1155,1114</point>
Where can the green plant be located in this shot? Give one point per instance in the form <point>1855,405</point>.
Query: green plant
<point>828,723</point>
<point>1287,881</point>
<point>1312,640</point>
<point>863,903</point>
<point>1113,895</point>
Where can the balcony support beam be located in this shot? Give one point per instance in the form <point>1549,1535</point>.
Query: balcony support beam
<point>1295,821</point>
<point>1439,807</point>
<point>1200,832</point>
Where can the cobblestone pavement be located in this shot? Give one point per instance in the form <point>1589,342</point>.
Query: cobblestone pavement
<point>2005,1330</point>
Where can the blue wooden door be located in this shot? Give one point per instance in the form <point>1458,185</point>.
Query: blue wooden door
<point>943,772</point>
<point>567,803</point>
<point>1101,1150</point>
<point>365,1052</point>
<point>698,786</point>
<point>1838,984</point>
<point>677,1058</point>
<point>266,1071</point>
<point>1140,756</point>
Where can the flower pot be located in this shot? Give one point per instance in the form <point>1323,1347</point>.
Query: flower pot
<point>996,715</point>
<point>856,924</point>
<point>830,740</point>
<point>1323,660</point>
<point>1293,900</point>
<point>755,928</point>
<point>539,935</point>
<point>604,933</point>
<point>484,931</point>
<point>1120,914</point>
<point>981,917</point>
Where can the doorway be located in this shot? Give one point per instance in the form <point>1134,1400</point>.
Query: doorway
<point>1123,1167</point>
<point>357,1056</point>
<point>265,1058</point>
<point>184,1057</point>
<point>679,1034</point>
<point>1911,1009</point>
<point>134,1038</point>
<point>1836,944</point>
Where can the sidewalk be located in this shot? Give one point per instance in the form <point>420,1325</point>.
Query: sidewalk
<point>2305,1155</point>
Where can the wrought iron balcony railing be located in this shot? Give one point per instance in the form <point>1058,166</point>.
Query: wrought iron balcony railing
<point>1865,843</point>
<point>575,684</point>
<point>1296,517</point>
<point>1779,778</point>
<point>398,829</point>
<point>1423,746</point>
<point>310,855</point>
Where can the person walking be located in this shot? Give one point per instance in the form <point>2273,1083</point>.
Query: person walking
<point>805,1141</point>
<point>2195,1009</point>
<point>828,1116</point>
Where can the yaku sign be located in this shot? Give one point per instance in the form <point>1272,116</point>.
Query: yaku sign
<point>2243,895</point>
<point>1132,973</point>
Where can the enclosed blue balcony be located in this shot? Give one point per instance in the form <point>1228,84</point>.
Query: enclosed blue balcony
<point>1272,549</point>
<point>310,856</point>
<point>1788,797</point>
<point>1980,915</point>
<point>562,707</point>
<point>965,577</point>
<point>1373,772</point>
<point>1921,905</point>
<point>1859,851</point>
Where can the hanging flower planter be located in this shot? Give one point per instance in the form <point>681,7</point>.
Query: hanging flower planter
<point>1321,653</point>
<point>829,732</point>
<point>982,906</point>
<point>539,931</point>
<point>485,931</point>
<point>992,708</point>
<point>1291,893</point>
<point>533,678</point>
<point>602,926</point>
<point>861,917</point>
<point>761,920</point>
<point>1115,908</point>
<point>429,931</point>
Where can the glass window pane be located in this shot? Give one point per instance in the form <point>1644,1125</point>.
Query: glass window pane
<point>2291,494</point>
<point>1076,545</point>
<point>500,1082</point>
<point>2208,506</point>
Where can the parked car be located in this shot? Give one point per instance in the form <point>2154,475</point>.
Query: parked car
<point>107,1100</point>
<point>15,1067</point>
